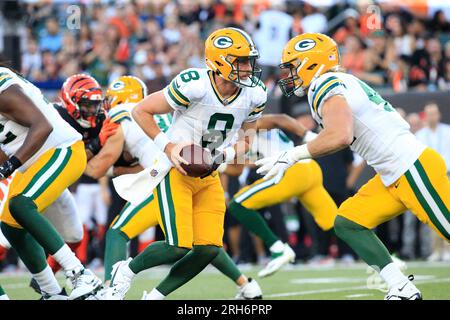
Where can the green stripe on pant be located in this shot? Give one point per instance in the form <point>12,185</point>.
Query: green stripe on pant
<point>421,197</point>
<point>167,210</point>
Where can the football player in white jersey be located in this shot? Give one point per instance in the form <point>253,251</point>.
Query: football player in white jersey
<point>210,106</point>
<point>123,94</point>
<point>303,181</point>
<point>51,156</point>
<point>410,176</point>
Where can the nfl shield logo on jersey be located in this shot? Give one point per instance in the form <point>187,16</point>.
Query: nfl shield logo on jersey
<point>154,173</point>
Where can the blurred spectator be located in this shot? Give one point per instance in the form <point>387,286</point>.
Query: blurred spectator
<point>439,22</point>
<point>436,134</point>
<point>350,28</point>
<point>379,58</point>
<point>51,37</point>
<point>114,34</point>
<point>414,121</point>
<point>426,66</point>
<point>313,20</point>
<point>354,55</point>
<point>404,43</point>
<point>31,60</point>
<point>273,33</point>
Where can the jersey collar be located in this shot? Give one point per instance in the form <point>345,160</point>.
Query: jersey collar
<point>224,101</point>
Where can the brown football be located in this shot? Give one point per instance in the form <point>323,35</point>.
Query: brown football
<point>199,160</point>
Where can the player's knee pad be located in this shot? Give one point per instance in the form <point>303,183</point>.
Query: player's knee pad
<point>342,226</point>
<point>207,250</point>
<point>113,234</point>
<point>235,209</point>
<point>19,206</point>
<point>12,234</point>
<point>179,252</point>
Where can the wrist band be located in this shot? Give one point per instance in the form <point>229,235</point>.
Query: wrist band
<point>230,153</point>
<point>309,135</point>
<point>110,172</point>
<point>15,162</point>
<point>300,152</point>
<point>161,141</point>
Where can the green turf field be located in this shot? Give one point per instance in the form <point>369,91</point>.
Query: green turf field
<point>294,282</point>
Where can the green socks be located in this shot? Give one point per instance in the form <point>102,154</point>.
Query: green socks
<point>115,249</point>
<point>31,253</point>
<point>253,221</point>
<point>187,268</point>
<point>25,212</point>
<point>363,241</point>
<point>226,265</point>
<point>156,254</point>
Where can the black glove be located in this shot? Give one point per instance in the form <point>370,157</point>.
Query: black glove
<point>9,166</point>
<point>216,162</point>
<point>94,146</point>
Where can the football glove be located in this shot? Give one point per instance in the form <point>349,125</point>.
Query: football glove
<point>9,166</point>
<point>275,166</point>
<point>108,129</point>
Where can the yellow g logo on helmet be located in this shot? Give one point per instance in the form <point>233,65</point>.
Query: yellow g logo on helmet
<point>117,85</point>
<point>125,89</point>
<point>223,42</point>
<point>305,45</point>
<point>307,57</point>
<point>226,49</point>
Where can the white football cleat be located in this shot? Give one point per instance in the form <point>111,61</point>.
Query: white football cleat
<point>249,291</point>
<point>84,283</point>
<point>145,296</point>
<point>404,291</point>
<point>288,255</point>
<point>60,296</point>
<point>120,283</point>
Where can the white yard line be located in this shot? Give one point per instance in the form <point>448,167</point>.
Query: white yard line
<point>309,292</point>
<point>359,295</point>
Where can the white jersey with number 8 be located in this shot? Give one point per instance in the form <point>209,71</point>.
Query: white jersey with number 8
<point>202,116</point>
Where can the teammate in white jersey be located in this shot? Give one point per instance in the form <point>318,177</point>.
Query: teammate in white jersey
<point>51,156</point>
<point>409,176</point>
<point>134,219</point>
<point>210,106</point>
<point>303,181</point>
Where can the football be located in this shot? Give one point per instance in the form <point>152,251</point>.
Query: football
<point>199,159</point>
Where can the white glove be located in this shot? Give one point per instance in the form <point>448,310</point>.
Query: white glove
<point>309,135</point>
<point>275,166</point>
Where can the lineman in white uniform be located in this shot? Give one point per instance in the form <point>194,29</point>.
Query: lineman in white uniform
<point>409,175</point>
<point>303,181</point>
<point>51,156</point>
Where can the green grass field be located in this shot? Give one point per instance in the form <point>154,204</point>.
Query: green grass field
<point>294,282</point>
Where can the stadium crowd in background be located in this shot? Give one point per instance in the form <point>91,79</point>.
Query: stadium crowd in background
<point>155,40</point>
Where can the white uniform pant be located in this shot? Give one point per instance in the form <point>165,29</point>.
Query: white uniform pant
<point>63,215</point>
<point>91,205</point>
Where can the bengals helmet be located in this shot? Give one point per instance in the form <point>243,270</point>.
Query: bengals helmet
<point>307,56</point>
<point>224,48</point>
<point>125,89</point>
<point>82,97</point>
